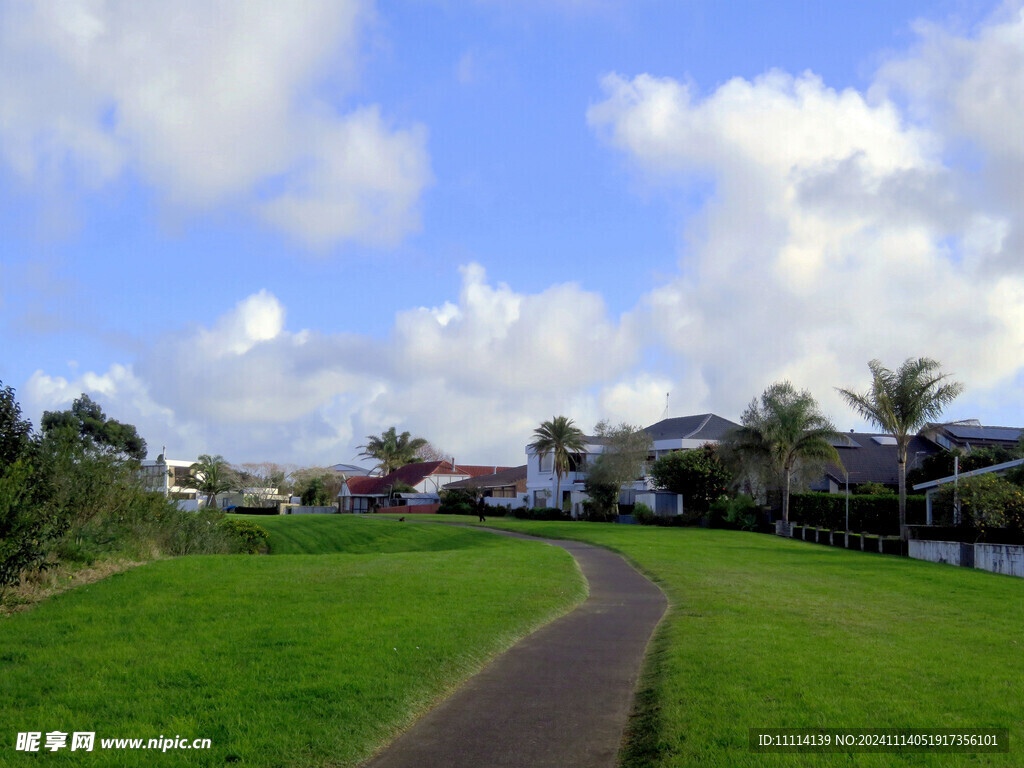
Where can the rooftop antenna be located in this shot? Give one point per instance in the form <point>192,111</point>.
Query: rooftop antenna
<point>665,414</point>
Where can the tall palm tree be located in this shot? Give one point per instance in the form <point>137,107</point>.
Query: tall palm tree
<point>900,402</point>
<point>784,430</point>
<point>212,475</point>
<point>392,450</point>
<point>560,436</point>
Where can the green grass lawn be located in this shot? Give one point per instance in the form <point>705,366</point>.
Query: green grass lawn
<point>766,632</point>
<point>286,660</point>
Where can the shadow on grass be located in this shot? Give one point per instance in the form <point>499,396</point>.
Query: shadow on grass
<point>643,743</point>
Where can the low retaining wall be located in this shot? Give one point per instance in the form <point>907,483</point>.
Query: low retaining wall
<point>1007,559</point>
<point>1000,558</point>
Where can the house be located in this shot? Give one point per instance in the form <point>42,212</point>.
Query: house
<point>971,433</point>
<point>505,488</point>
<point>675,434</point>
<point>870,458</point>
<point>170,477</point>
<point>426,478</point>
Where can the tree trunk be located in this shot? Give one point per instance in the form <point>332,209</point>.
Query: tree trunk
<point>785,497</point>
<point>901,465</point>
<point>558,490</point>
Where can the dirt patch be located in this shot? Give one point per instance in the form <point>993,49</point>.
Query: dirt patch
<point>40,585</point>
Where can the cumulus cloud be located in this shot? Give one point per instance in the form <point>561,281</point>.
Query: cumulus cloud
<point>213,104</point>
<point>837,232</point>
<point>474,375</point>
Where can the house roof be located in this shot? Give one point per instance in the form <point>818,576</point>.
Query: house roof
<point>704,426</point>
<point>503,477</point>
<point>411,474</point>
<point>979,433</point>
<point>871,457</point>
<point>480,470</point>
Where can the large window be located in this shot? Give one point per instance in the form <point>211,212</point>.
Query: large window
<point>547,463</point>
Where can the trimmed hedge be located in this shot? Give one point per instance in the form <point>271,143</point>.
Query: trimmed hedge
<point>878,514</point>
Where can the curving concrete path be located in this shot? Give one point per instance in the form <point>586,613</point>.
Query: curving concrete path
<point>560,697</point>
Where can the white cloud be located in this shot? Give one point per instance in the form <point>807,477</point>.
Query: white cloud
<point>212,104</point>
<point>473,376</point>
<point>837,232</point>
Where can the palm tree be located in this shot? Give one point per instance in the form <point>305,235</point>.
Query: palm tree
<point>559,437</point>
<point>785,430</point>
<point>900,403</point>
<point>212,475</point>
<point>392,450</point>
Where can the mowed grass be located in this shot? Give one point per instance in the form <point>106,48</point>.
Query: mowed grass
<point>766,632</point>
<point>284,660</point>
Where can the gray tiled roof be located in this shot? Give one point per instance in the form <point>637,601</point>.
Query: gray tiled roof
<point>970,432</point>
<point>869,462</point>
<point>704,426</point>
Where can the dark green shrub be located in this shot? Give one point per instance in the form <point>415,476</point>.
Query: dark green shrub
<point>458,501</point>
<point>643,514</point>
<point>869,514</point>
<point>253,538</point>
<point>738,514</point>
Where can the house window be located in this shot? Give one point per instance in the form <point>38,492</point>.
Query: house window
<point>547,463</point>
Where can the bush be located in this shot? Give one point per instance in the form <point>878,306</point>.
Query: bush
<point>987,503</point>
<point>738,514</point>
<point>253,539</point>
<point>698,474</point>
<point>458,501</point>
<point>643,514</point>
<point>874,489</point>
<point>870,514</point>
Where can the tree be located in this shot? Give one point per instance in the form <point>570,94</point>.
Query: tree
<point>559,437</point>
<point>392,450</point>
<point>15,432</point>
<point>259,481</point>
<point>784,430</point>
<point>325,478</point>
<point>699,475</point>
<point>25,531</point>
<point>900,403</point>
<point>623,460</point>
<point>212,475</point>
<point>430,452</point>
<point>86,418</point>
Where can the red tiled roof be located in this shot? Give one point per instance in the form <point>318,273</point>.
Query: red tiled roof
<point>411,474</point>
<point>476,470</point>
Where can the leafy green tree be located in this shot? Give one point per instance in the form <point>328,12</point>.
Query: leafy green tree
<point>391,450</point>
<point>86,418</point>
<point>900,403</point>
<point>315,495</point>
<point>699,475</point>
<point>212,475</point>
<point>559,437</point>
<point>15,432</point>
<point>985,502</point>
<point>784,430</point>
<point>622,461</point>
<point>26,530</point>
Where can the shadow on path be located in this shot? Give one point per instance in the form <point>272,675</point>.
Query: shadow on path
<point>561,697</point>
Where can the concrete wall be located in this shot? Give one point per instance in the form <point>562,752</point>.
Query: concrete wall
<point>300,510</point>
<point>936,551</point>
<point>1000,558</point>
<point>1007,559</point>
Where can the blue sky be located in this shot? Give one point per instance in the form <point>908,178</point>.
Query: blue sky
<point>269,231</point>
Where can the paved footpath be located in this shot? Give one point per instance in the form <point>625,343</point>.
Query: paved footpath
<point>560,697</point>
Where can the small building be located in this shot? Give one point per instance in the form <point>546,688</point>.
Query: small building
<point>868,457</point>
<point>169,477</point>
<point>506,488</point>
<point>363,494</point>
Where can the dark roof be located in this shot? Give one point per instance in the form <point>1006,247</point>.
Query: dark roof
<point>509,476</point>
<point>970,432</point>
<point>705,426</point>
<point>869,461</point>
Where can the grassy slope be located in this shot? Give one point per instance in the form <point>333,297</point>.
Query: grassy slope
<point>292,660</point>
<point>765,632</point>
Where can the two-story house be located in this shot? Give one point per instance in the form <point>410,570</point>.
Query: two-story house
<point>676,434</point>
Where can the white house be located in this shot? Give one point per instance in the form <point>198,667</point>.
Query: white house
<point>676,434</point>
